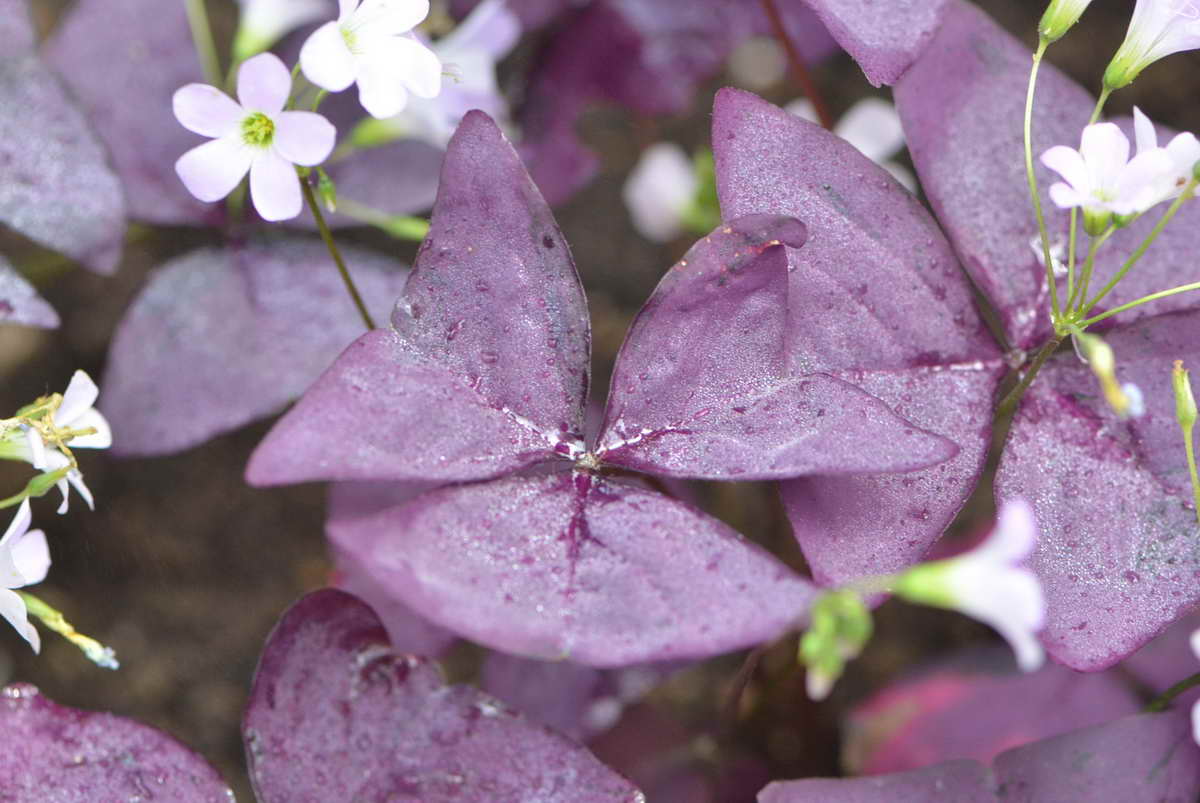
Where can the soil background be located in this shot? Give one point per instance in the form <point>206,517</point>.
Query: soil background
<point>183,569</point>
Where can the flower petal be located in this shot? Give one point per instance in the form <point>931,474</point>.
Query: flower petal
<point>1105,149</point>
<point>326,60</point>
<point>491,27</point>
<point>1010,601</point>
<point>264,84</point>
<point>20,523</point>
<point>1147,179</point>
<point>274,187</point>
<point>80,395</point>
<point>873,126</point>
<point>206,110</point>
<point>37,449</point>
<point>1013,537</point>
<point>12,608</point>
<point>381,89</point>
<point>100,439</point>
<point>1067,197</point>
<point>75,477</point>
<point>1143,131</point>
<point>346,8</point>
<point>422,67</point>
<point>391,16</point>
<point>659,189</point>
<point>1194,640</point>
<point>304,138</point>
<point>31,557</point>
<point>1069,164</point>
<point>212,170</point>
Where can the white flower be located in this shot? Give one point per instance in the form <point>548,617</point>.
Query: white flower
<point>1195,642</point>
<point>264,22</point>
<point>1060,16</point>
<point>873,127</point>
<point>659,190</point>
<point>76,412</point>
<point>989,583</point>
<point>24,561</point>
<point>371,43</point>
<point>254,136</point>
<point>1183,149</point>
<point>1158,28</point>
<point>1101,178</point>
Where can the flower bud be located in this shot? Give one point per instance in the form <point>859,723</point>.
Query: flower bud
<point>1059,17</point>
<point>1185,402</point>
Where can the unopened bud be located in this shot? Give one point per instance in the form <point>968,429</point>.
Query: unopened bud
<point>1059,17</point>
<point>1185,402</point>
<point>326,191</point>
<point>1099,356</point>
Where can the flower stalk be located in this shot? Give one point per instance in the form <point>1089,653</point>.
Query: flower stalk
<point>327,236</point>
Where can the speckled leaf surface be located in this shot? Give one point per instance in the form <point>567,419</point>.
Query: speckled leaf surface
<point>494,295</point>
<point>702,386</point>
<point>20,303</point>
<point>1117,554</point>
<point>976,708</point>
<point>884,38</point>
<point>571,566</point>
<point>876,298</point>
<point>58,188</point>
<point>337,713</point>
<point>55,754</point>
<point>962,103</point>
<point>123,60</point>
<point>959,781</point>
<point>223,336</point>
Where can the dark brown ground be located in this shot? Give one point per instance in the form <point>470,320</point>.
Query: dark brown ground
<point>183,569</point>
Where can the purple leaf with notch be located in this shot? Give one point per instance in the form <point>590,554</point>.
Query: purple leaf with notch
<point>20,303</point>
<point>884,38</point>
<point>260,322</point>
<point>399,731</point>
<point>53,753</point>
<point>875,298</point>
<point>58,188</point>
<point>123,60</point>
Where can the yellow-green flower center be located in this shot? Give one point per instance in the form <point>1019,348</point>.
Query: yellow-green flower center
<point>258,130</point>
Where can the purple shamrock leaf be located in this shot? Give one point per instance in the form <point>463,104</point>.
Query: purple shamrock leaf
<point>875,297</point>
<point>1140,757</point>
<point>646,56</point>
<point>20,303</point>
<point>884,38</point>
<point>336,712</point>
<point>485,372</point>
<point>260,322</point>
<point>54,753</point>
<point>976,707</point>
<point>532,13</point>
<point>124,59</point>
<point>58,188</point>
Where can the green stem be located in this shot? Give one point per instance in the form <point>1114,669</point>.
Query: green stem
<point>320,97</point>
<point>1071,249</point>
<point>1009,403</point>
<point>1187,193</point>
<point>1183,288</point>
<point>400,226</point>
<point>1190,447</point>
<point>327,236</point>
<point>202,38</point>
<point>1100,101</point>
<point>1163,700</point>
<point>1085,278</point>
<point>1032,179</point>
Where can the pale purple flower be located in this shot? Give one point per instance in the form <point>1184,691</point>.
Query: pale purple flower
<point>251,135</point>
<point>372,44</point>
<point>659,190</point>
<point>1158,28</point>
<point>24,561</point>
<point>1102,179</point>
<point>1183,149</point>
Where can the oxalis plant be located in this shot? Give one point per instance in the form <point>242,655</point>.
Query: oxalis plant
<point>872,351</point>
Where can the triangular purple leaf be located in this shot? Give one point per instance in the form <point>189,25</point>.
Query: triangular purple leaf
<point>962,105</point>
<point>58,187</point>
<point>574,566</point>
<point>52,753</point>
<point>876,298</point>
<point>1112,498</point>
<point>702,386</point>
<point>336,713</point>
<point>223,336</point>
<point>884,38</point>
<point>123,60</point>
<point>958,781</point>
<point>20,303</point>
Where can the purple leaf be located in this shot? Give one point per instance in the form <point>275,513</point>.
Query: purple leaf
<point>702,388</point>
<point>962,105</point>
<point>124,59</point>
<point>574,566</point>
<point>876,298</point>
<point>494,294</point>
<point>1167,660</point>
<point>58,188</point>
<point>53,753</point>
<point>259,324</point>
<point>884,38</point>
<point>1112,499</point>
<point>20,303</point>
<point>16,29</point>
<point>336,713</point>
<point>532,13</point>
<point>976,709</point>
<point>958,781</point>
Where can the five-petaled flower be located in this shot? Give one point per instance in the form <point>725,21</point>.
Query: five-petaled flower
<point>254,136</point>
<point>24,561</point>
<point>372,44</point>
<point>1101,178</point>
<point>1158,28</point>
<point>989,583</point>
